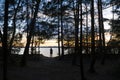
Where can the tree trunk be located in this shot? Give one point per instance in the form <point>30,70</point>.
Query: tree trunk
<point>14,27</point>
<point>58,31</point>
<point>86,29</point>
<point>59,48</point>
<point>92,69</point>
<point>27,20</point>
<point>100,28</point>
<point>32,45</point>
<point>62,38</point>
<point>101,32</point>
<point>76,19</point>
<point>81,46</point>
<point>32,25</point>
<point>4,43</point>
<point>103,36</point>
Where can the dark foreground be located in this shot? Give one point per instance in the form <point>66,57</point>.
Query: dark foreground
<point>53,69</point>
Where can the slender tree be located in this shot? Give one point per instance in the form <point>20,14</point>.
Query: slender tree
<point>14,25</point>
<point>102,28</point>
<point>62,36</point>
<point>4,43</point>
<point>58,30</point>
<point>31,26</point>
<point>27,19</point>
<point>93,60</point>
<point>86,29</point>
<point>81,46</point>
<point>76,19</point>
<point>86,7</point>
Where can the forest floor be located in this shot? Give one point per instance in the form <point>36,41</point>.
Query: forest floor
<point>53,69</point>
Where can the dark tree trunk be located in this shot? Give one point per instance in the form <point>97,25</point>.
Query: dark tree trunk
<point>32,24</point>
<point>81,46</point>
<point>101,32</point>
<point>62,40</point>
<point>93,58</point>
<point>100,28</point>
<point>14,27</point>
<point>27,20</point>
<point>58,31</point>
<point>4,43</point>
<point>76,17</point>
<point>86,29</point>
<point>103,36</point>
<point>32,47</point>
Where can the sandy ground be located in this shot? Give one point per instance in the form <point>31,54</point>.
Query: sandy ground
<point>54,69</point>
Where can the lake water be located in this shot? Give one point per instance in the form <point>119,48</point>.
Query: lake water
<point>43,50</point>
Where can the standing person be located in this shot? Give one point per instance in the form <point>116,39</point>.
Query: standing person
<point>51,52</point>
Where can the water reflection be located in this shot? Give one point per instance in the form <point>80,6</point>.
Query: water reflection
<point>42,50</point>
